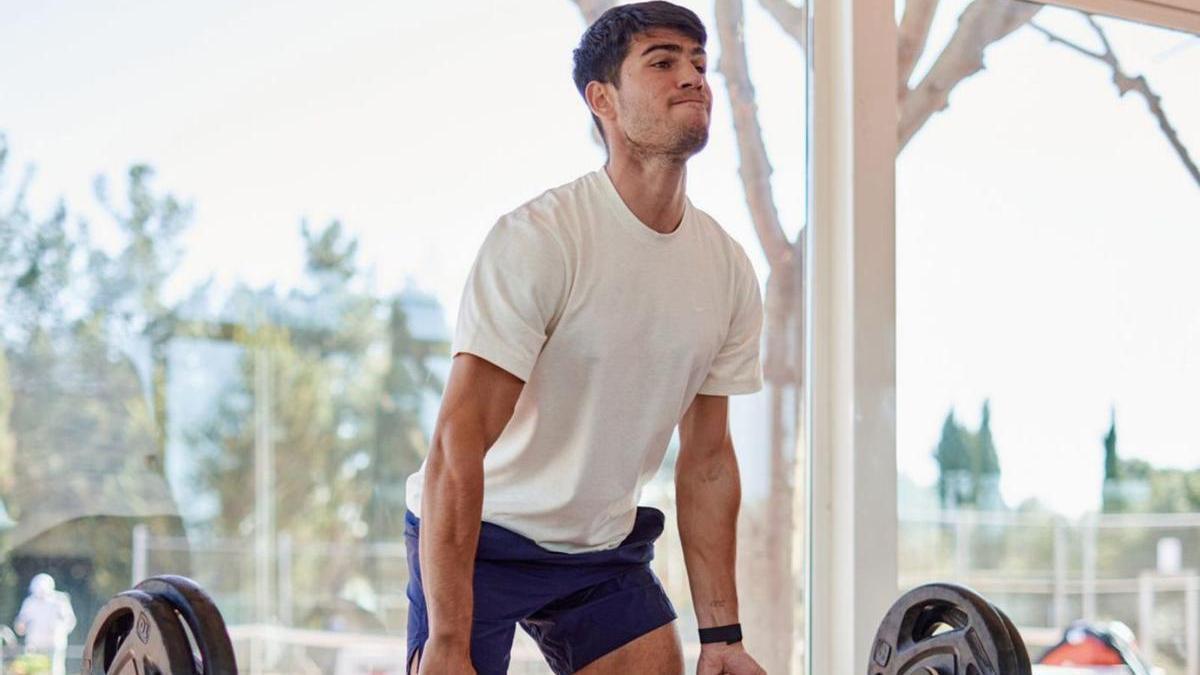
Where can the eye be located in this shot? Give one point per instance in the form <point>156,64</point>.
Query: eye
<point>662,63</point>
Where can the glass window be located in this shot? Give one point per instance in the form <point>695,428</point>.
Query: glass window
<point>233,240</point>
<point>1046,229</point>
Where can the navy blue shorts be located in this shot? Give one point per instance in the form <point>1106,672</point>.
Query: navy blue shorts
<point>576,606</point>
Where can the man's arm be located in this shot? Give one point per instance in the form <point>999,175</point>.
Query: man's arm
<point>476,406</point>
<point>708,493</point>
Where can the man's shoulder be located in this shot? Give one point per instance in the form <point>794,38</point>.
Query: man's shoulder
<point>556,203</point>
<point>554,217</point>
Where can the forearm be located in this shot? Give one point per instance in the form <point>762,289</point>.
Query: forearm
<point>451,510</point>
<point>708,495</point>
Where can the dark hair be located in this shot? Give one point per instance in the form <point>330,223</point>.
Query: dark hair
<point>605,43</point>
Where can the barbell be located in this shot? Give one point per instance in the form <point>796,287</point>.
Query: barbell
<point>168,625</point>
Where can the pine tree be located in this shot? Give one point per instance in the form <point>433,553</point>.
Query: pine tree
<point>986,464</point>
<point>968,464</point>
<point>1112,463</point>
<point>987,461</point>
<point>1112,501</point>
<point>954,464</point>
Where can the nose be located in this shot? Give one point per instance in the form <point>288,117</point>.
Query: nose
<point>693,77</point>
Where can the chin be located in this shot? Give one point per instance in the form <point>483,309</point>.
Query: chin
<point>697,133</point>
<point>691,143</point>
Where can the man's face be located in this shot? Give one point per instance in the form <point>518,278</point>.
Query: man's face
<point>663,102</point>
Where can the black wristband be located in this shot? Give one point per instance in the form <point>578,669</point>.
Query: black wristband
<point>727,634</point>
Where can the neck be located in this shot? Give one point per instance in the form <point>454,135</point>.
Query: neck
<point>653,188</point>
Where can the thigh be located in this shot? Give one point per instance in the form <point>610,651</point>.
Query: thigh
<point>658,652</point>
<point>604,618</point>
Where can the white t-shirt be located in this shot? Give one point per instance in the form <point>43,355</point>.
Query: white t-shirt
<point>614,328</point>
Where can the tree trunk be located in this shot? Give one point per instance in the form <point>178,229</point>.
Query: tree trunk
<point>772,584</point>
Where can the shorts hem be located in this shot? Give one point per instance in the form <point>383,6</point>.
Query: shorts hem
<point>584,661</point>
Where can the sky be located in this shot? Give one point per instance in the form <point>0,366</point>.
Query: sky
<point>1046,245</point>
<point>1045,231</point>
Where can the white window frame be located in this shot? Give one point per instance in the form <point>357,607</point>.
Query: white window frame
<point>852,543</point>
<point>1177,14</point>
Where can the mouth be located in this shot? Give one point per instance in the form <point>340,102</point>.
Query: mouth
<point>702,105</point>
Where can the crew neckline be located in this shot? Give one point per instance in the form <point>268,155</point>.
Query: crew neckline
<point>623,213</point>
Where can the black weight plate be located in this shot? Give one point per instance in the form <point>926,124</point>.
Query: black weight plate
<point>136,634</point>
<point>1000,634</point>
<point>203,618</point>
<point>943,629</point>
<point>1010,647</point>
<point>1024,665</point>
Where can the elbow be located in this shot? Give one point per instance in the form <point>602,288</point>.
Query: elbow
<point>455,457</point>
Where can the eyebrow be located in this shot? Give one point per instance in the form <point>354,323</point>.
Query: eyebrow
<point>671,47</point>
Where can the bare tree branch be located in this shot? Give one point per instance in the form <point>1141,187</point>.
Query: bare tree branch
<point>755,169</point>
<point>1065,42</point>
<point>791,18</point>
<point>1099,32</point>
<point>1127,83</point>
<point>982,23</point>
<point>912,35</point>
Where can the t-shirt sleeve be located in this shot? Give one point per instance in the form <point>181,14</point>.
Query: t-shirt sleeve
<point>737,368</point>
<point>513,294</point>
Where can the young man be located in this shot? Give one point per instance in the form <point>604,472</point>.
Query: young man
<point>597,317</point>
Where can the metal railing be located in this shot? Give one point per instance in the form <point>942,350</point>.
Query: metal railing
<point>1047,571</point>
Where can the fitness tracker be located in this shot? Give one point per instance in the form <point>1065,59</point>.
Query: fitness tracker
<point>727,634</point>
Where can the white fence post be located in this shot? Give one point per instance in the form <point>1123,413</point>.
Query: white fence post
<point>1060,575</point>
<point>1191,624</point>
<point>264,502</point>
<point>284,553</point>
<point>1089,568</point>
<point>1145,634</point>
<point>141,553</point>
<point>962,545</point>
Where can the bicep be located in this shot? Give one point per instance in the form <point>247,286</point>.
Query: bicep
<point>479,400</point>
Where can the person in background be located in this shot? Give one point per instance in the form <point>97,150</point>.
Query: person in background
<point>45,620</point>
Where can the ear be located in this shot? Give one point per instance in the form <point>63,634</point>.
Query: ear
<point>601,98</point>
